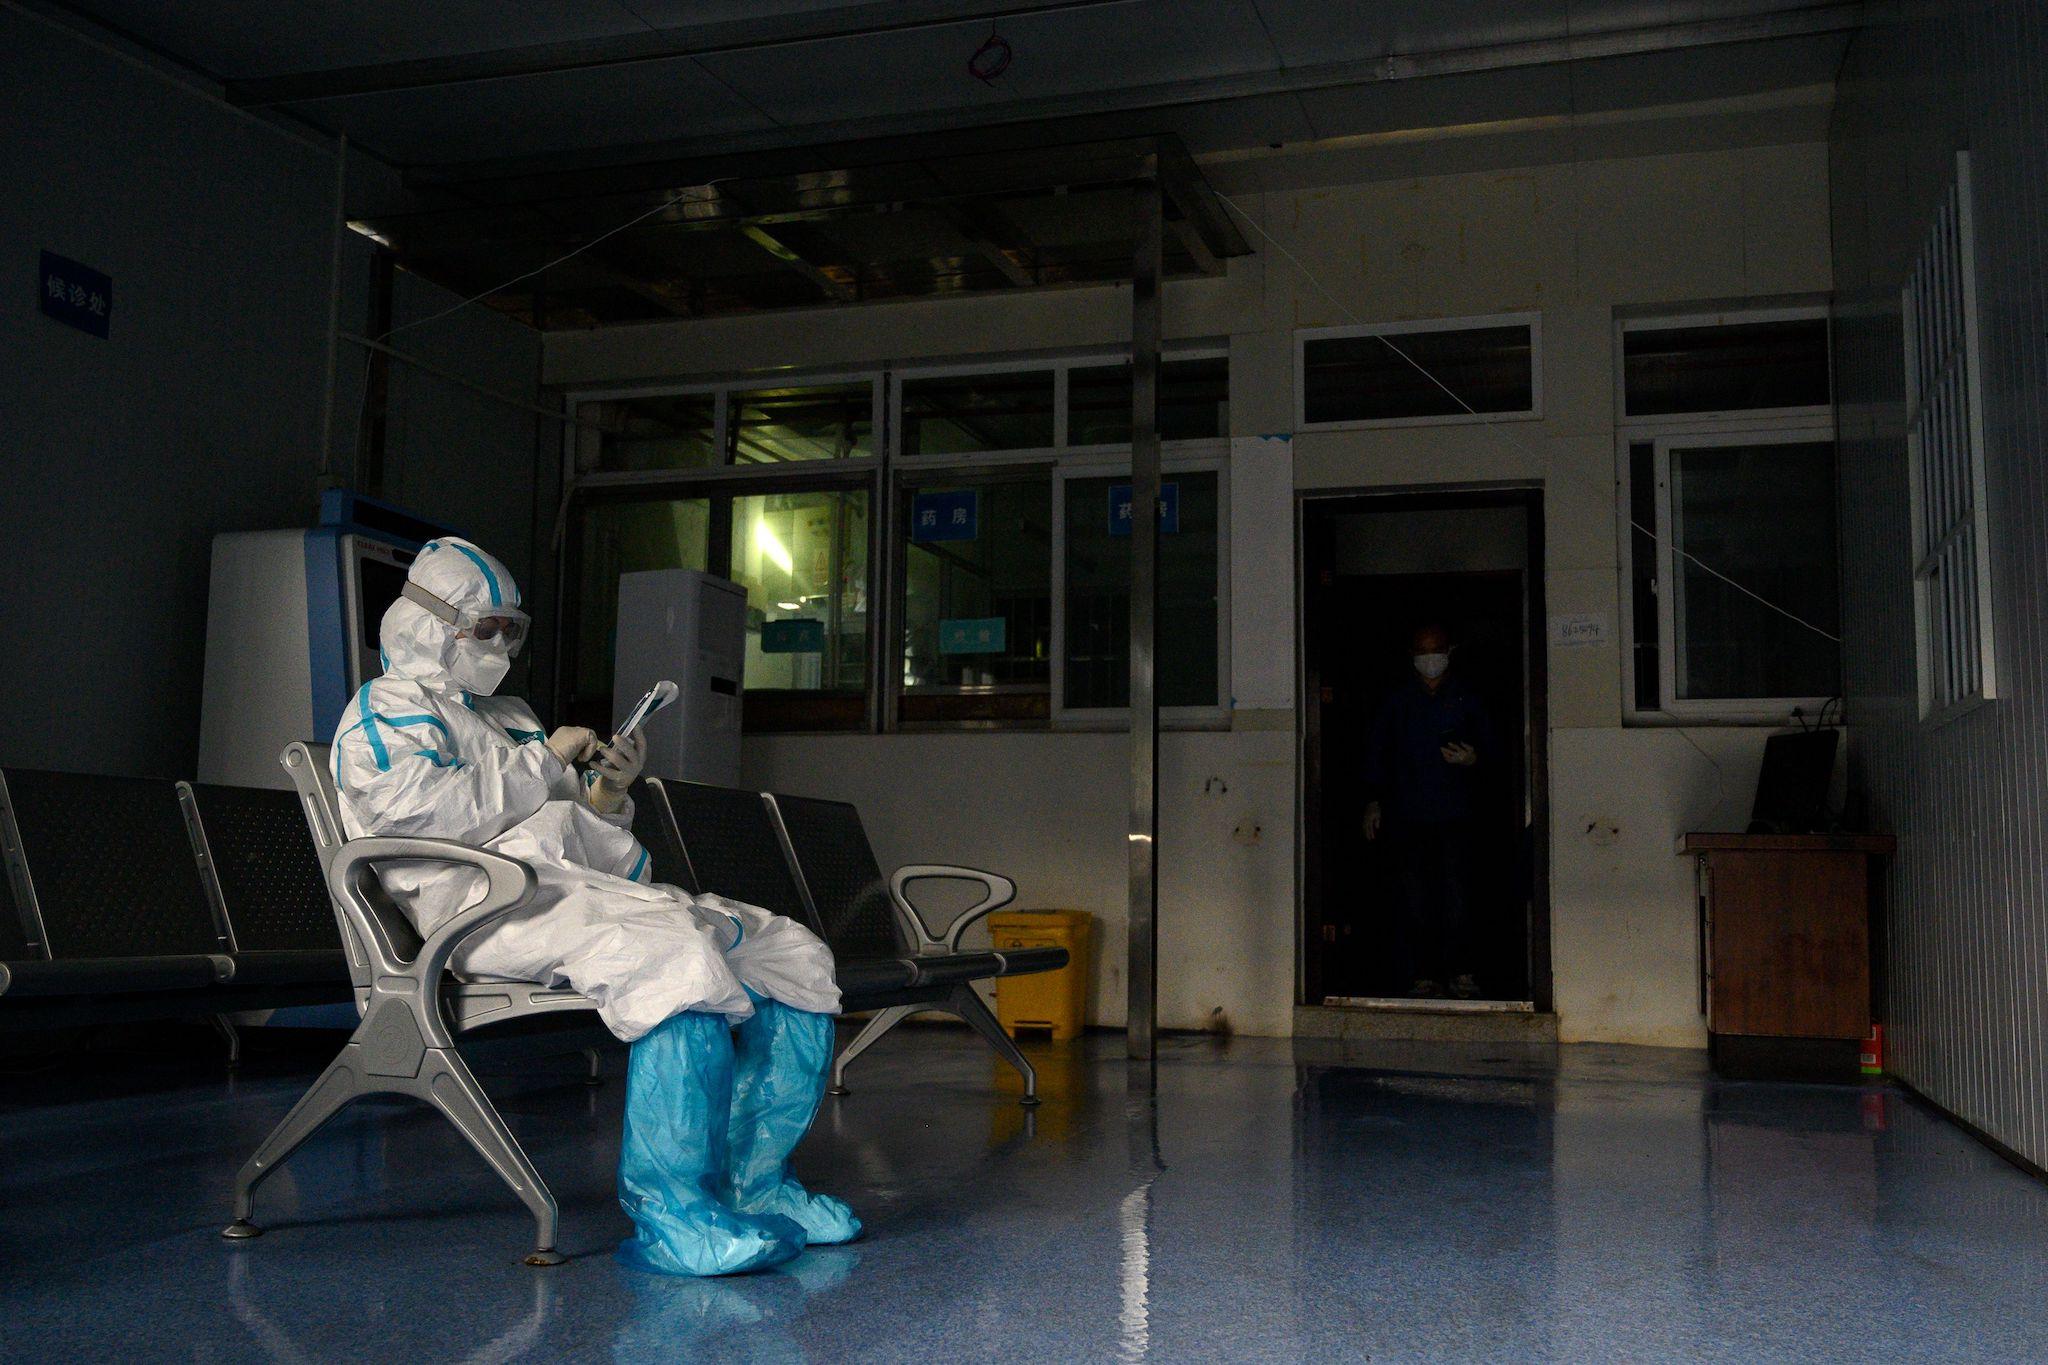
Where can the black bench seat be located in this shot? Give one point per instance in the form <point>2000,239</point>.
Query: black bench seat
<point>811,860</point>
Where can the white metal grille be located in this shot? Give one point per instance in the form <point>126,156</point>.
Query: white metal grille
<point>1945,448</point>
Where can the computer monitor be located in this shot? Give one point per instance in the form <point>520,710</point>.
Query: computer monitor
<point>1792,788</point>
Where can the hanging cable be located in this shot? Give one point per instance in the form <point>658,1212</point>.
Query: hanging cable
<point>1494,425</point>
<point>692,194</point>
<point>695,194</point>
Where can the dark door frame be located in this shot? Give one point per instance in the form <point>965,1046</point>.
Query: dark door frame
<point>1313,509</point>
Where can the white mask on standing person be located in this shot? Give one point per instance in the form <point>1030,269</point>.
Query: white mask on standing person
<point>1432,666</point>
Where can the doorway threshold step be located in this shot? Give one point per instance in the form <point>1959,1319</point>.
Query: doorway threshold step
<point>1444,1021</point>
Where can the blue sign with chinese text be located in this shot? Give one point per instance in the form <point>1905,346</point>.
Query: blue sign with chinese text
<point>945,516</point>
<point>974,635</point>
<point>1120,509</point>
<point>798,636</point>
<point>74,294</point>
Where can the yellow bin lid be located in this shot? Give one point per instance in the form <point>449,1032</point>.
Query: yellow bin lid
<point>1039,920</point>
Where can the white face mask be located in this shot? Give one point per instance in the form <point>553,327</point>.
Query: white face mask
<point>1432,666</point>
<point>479,667</point>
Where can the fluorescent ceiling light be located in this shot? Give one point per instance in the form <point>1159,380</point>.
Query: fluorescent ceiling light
<point>778,553</point>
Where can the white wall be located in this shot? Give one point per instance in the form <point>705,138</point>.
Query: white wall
<point>199,413</point>
<point>1573,242</point>
<point>1965,905</point>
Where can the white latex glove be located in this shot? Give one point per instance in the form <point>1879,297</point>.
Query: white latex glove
<point>618,763</point>
<point>1459,754</point>
<point>1372,820</point>
<point>572,744</point>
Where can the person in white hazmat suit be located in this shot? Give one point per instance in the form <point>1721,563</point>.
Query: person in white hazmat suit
<point>712,1110</point>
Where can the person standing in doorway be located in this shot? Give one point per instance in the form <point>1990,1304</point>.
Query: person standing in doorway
<point>1426,742</point>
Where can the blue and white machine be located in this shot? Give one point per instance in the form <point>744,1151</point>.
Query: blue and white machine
<point>291,630</point>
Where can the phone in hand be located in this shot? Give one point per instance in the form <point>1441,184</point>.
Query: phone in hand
<point>658,696</point>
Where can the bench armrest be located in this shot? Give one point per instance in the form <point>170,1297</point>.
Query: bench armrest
<point>511,885</point>
<point>1001,891</point>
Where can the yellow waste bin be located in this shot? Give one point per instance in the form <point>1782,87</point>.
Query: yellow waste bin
<point>1044,1000</point>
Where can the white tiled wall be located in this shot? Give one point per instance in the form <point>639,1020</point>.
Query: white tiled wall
<point>1571,241</point>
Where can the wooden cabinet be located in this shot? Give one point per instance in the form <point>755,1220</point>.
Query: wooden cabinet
<point>1785,949</point>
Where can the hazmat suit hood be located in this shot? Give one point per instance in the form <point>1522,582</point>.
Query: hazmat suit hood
<point>422,648</point>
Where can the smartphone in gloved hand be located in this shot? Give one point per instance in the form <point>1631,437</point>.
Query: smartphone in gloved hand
<point>658,696</point>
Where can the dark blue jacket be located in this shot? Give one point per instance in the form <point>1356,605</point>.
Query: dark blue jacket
<point>1404,765</point>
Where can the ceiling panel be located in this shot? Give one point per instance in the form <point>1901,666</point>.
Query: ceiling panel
<point>1316,32</point>
<point>1708,72</point>
<point>1255,121</point>
<point>244,39</point>
<point>1616,83</point>
<point>1059,54</point>
<point>684,13</point>
<point>538,115</point>
<point>1439,102</point>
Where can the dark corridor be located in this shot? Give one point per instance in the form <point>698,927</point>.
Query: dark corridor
<point>1356,654</point>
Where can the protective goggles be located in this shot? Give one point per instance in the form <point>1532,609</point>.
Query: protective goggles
<point>508,624</point>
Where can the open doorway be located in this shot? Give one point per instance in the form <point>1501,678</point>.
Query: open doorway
<point>1376,568</point>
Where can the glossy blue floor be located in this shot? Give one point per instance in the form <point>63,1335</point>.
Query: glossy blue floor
<point>1275,1202</point>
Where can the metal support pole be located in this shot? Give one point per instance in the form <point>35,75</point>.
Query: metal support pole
<point>1141,977</point>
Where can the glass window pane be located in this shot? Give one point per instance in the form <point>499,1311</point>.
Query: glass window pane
<point>1731,368</point>
<point>1098,598</point>
<point>1194,402</point>
<point>1367,378</point>
<point>803,559</point>
<point>977,608</point>
<point>820,422</point>
<point>962,414</point>
<point>1644,573</point>
<point>662,431</point>
<point>1764,515</point>
<point>620,538</point>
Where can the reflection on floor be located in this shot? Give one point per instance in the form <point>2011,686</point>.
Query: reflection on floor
<point>1275,1202</point>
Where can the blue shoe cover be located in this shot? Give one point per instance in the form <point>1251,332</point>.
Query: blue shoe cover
<point>826,1222</point>
<point>781,1057</point>
<point>673,1160</point>
<point>710,1239</point>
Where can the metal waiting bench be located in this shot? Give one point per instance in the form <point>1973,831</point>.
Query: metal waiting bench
<point>108,912</point>
<point>740,844</point>
<point>411,1010</point>
<point>811,860</point>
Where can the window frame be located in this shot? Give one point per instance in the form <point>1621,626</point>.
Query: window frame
<point>946,459</point>
<point>884,476</point>
<point>922,474</point>
<point>1304,335</point>
<point>1187,460</point>
<point>721,426</point>
<point>1958,281</point>
<point>1723,317</point>
<point>721,483</point>
<point>1748,710</point>
<point>1060,364</point>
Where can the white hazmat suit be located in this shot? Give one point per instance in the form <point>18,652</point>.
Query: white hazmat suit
<point>425,750</point>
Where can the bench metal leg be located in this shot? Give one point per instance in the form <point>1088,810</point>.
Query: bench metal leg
<point>596,1060</point>
<point>446,1083</point>
<point>866,1038</point>
<point>968,1004</point>
<point>342,1081</point>
<point>225,1027</point>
